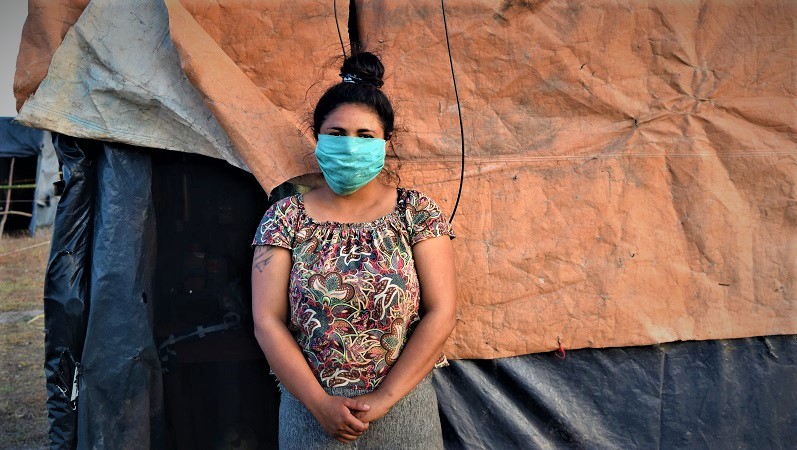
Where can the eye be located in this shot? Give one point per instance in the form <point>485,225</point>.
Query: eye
<point>367,136</point>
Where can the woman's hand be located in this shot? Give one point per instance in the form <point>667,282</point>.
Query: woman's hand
<point>337,417</point>
<point>378,406</point>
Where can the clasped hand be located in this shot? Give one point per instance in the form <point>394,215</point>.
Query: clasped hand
<point>346,419</point>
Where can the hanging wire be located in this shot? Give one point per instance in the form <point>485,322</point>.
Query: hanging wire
<point>459,111</point>
<point>456,95</point>
<point>340,36</point>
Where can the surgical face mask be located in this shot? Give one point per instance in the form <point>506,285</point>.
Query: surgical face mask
<point>349,163</point>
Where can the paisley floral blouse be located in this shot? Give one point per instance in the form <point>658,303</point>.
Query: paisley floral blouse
<point>353,292</point>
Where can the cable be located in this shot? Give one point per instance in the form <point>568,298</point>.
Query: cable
<point>459,112</point>
<point>340,36</point>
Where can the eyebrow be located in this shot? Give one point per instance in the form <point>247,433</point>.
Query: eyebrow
<point>361,130</point>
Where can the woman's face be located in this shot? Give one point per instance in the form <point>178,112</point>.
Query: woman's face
<point>351,119</point>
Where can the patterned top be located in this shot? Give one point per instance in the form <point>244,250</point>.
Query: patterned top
<point>353,292</point>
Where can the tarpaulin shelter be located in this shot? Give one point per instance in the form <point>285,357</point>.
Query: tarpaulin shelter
<point>628,185</point>
<point>28,169</point>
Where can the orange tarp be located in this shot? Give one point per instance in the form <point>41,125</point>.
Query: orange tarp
<point>630,166</point>
<point>45,28</point>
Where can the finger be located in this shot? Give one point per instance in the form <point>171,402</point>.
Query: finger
<point>363,417</point>
<point>350,431</point>
<point>356,405</point>
<point>355,424</point>
<point>346,438</point>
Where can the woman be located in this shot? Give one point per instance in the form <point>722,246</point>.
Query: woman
<point>353,286</point>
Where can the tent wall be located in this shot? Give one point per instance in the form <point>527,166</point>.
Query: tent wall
<point>110,318</point>
<point>739,393</point>
<point>629,170</point>
<point>614,151</point>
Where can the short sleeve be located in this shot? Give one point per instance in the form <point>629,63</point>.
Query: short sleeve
<point>425,218</point>
<point>276,228</point>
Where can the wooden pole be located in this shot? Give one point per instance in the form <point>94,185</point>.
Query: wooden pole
<point>8,198</point>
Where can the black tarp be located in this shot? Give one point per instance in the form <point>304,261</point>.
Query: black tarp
<point>145,301</point>
<point>102,367</point>
<point>739,393</point>
<point>66,287</point>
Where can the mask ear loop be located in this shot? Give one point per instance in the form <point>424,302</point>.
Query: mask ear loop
<point>392,176</point>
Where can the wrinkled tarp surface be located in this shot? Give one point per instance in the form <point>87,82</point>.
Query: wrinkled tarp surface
<point>738,393</point>
<point>630,166</point>
<point>115,78</point>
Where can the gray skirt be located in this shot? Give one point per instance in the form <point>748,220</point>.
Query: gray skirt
<point>413,423</point>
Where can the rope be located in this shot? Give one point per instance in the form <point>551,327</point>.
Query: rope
<point>25,248</point>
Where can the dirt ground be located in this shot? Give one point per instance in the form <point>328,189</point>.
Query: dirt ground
<point>23,415</point>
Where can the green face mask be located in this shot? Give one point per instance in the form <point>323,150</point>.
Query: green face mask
<point>349,163</point>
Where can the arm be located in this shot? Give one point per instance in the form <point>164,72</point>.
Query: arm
<point>271,268</point>
<point>434,263</point>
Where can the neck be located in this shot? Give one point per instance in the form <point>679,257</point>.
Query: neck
<point>370,202</point>
<point>365,196</point>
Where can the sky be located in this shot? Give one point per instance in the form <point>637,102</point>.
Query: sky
<point>12,17</point>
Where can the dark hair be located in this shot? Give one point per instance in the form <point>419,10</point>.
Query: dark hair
<point>364,72</point>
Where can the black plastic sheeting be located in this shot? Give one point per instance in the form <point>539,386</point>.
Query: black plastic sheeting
<point>739,393</point>
<point>66,288</point>
<point>149,338</point>
<point>103,374</point>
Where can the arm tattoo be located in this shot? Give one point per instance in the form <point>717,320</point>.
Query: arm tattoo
<point>262,257</point>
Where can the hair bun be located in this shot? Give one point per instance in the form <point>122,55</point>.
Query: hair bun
<point>363,68</point>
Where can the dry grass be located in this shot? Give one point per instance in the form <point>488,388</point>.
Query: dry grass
<point>22,274</point>
<point>23,415</point>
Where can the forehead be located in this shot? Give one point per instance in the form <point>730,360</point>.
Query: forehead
<point>354,116</point>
